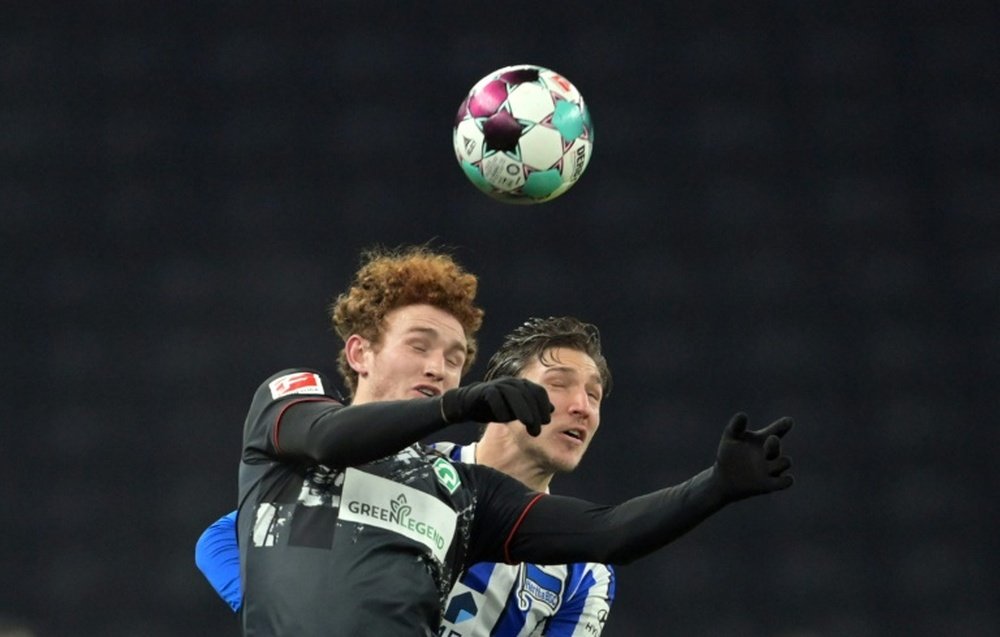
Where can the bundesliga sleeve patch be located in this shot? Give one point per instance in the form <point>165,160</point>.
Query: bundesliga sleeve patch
<point>297,383</point>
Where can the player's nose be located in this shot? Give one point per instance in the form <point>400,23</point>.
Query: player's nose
<point>434,366</point>
<point>580,404</point>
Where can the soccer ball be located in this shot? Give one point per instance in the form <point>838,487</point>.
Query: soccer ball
<point>523,134</point>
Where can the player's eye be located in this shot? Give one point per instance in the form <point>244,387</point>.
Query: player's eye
<point>594,391</point>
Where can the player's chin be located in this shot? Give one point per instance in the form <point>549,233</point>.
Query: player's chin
<point>565,463</point>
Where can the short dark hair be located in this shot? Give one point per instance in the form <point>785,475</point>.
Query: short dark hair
<point>535,336</point>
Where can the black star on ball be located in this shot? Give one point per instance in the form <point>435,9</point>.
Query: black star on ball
<point>501,132</point>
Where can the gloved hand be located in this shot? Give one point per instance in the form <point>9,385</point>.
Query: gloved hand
<point>501,400</point>
<point>750,462</point>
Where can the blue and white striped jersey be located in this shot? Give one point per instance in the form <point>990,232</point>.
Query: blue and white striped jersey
<point>502,600</point>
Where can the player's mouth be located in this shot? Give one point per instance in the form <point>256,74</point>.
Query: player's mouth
<point>576,434</point>
<point>427,390</point>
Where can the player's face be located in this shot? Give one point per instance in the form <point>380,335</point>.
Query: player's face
<point>421,354</point>
<point>574,385</point>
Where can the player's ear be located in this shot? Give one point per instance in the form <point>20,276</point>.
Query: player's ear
<point>356,349</point>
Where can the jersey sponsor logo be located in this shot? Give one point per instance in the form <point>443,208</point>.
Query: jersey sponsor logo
<point>369,499</point>
<point>446,474</point>
<point>602,618</point>
<point>297,383</point>
<point>540,586</point>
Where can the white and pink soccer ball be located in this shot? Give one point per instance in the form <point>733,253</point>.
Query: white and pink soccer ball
<point>523,134</point>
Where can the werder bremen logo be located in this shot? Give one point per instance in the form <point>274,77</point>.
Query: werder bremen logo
<point>446,474</point>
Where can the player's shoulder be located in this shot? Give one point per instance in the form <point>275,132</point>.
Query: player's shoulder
<point>593,572</point>
<point>454,451</point>
<point>588,579</point>
<point>288,385</point>
<point>598,569</point>
<point>444,448</point>
<point>297,381</point>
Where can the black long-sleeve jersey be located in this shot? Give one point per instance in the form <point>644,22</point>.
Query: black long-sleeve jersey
<point>348,527</point>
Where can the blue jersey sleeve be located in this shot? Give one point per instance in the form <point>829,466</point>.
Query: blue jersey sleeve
<point>217,555</point>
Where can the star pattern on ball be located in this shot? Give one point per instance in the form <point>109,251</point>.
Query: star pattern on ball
<point>501,132</point>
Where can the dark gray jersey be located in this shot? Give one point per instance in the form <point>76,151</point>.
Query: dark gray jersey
<point>367,550</point>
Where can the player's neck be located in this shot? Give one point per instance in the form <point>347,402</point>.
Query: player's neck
<point>491,452</point>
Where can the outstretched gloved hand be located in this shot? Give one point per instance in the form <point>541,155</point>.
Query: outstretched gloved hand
<point>750,462</point>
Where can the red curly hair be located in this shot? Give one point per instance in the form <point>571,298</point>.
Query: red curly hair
<point>393,278</point>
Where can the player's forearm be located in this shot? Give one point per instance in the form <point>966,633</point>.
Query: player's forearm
<point>347,436</point>
<point>559,529</point>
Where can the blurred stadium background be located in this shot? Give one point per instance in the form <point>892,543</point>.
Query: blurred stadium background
<point>792,209</point>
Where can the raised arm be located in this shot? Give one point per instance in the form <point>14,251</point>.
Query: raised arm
<point>317,428</point>
<point>559,529</point>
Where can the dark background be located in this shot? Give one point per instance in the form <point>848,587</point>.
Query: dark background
<point>792,209</point>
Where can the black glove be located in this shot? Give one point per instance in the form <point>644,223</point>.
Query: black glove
<point>501,400</point>
<point>750,462</point>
